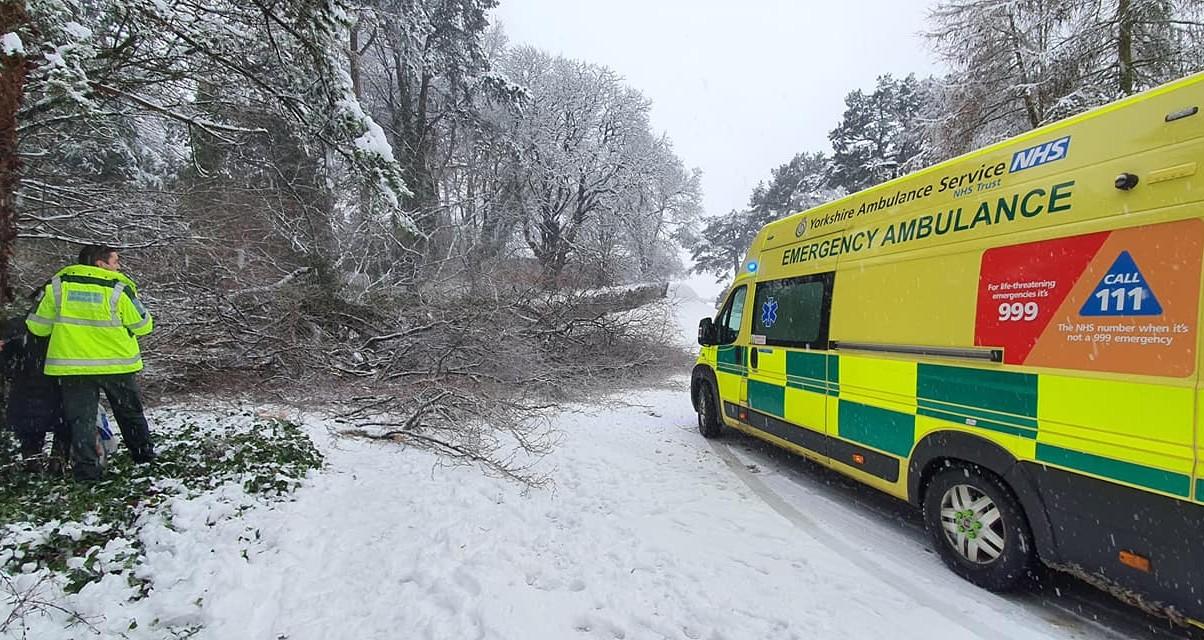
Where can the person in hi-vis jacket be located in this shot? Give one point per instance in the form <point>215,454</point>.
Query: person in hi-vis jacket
<point>93,316</point>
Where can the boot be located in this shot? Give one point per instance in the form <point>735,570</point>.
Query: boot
<point>86,473</point>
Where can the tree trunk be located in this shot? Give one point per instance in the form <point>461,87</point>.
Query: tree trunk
<point>12,87</point>
<point>1124,45</point>
<point>421,180</point>
<point>353,60</point>
<point>1030,105</point>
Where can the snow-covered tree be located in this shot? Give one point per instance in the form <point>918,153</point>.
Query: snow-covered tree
<point>664,199</point>
<point>798,185</point>
<point>422,63</point>
<point>577,139</point>
<point>1016,65</point>
<point>125,97</point>
<point>722,244</point>
<point>1127,46</point>
<point>636,237</point>
<point>795,186</point>
<point>877,138</point>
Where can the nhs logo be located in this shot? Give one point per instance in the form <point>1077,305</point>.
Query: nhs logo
<point>1041,154</point>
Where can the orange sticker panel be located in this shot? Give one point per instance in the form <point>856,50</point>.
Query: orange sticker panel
<point>1125,301</point>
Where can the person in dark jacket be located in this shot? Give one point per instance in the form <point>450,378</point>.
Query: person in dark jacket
<point>35,404</point>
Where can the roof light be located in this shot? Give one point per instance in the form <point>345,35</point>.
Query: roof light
<point>752,266</point>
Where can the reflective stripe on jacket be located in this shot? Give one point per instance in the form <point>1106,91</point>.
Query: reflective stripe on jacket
<point>93,317</point>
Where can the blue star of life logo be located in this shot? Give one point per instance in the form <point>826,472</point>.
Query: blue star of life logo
<point>769,312</point>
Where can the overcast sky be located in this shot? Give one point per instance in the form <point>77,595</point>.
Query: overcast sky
<point>739,86</point>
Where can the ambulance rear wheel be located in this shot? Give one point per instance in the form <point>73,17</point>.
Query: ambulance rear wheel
<point>709,423</point>
<point>979,528</point>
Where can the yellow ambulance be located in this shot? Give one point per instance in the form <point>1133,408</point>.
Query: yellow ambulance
<point>1008,340</point>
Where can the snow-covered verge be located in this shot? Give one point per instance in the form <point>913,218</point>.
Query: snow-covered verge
<point>71,554</point>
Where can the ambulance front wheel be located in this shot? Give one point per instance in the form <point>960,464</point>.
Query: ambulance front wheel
<point>979,528</point>
<point>710,425</point>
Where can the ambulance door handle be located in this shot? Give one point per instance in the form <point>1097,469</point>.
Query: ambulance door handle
<point>752,357</point>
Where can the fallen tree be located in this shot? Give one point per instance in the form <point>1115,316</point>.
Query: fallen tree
<point>468,373</point>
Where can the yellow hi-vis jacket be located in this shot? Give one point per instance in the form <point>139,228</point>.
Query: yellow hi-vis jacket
<point>93,318</point>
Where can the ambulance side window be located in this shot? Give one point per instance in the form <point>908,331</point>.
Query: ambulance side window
<point>731,316</point>
<point>794,312</point>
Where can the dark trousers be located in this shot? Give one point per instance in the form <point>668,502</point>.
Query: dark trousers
<point>33,444</point>
<point>81,399</point>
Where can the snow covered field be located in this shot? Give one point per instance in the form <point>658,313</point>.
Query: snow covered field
<point>650,532</point>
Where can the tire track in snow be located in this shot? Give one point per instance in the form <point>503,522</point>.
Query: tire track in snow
<point>1060,599</point>
<point>819,534</point>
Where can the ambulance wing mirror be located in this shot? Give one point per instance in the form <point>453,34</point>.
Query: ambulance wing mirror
<point>706,332</point>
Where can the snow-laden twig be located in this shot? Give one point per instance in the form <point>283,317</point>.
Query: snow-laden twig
<point>32,601</point>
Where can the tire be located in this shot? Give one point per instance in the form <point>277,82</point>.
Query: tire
<point>979,528</point>
<point>710,425</point>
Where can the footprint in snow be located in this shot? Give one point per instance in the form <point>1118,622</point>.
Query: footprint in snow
<point>752,468</point>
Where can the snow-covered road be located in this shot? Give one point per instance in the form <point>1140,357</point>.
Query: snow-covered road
<point>651,532</point>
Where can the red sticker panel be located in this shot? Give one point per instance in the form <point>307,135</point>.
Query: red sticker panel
<point>1020,287</point>
<point>1124,301</point>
